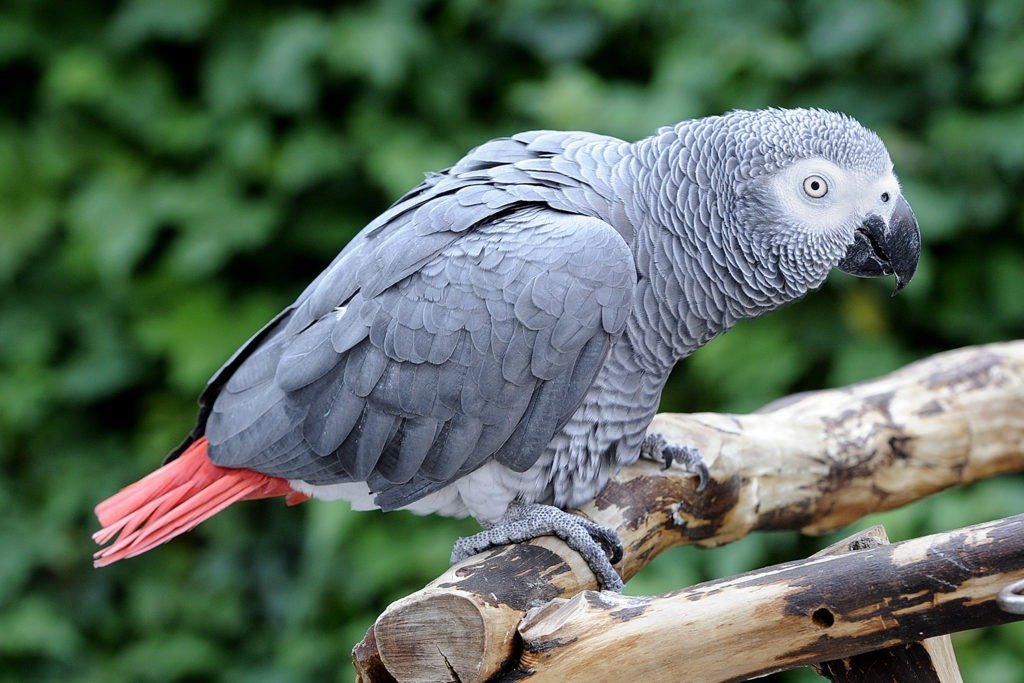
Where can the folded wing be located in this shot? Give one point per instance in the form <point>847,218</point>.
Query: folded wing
<point>440,356</point>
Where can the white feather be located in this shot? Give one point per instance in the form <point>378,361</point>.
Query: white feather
<point>484,494</point>
<point>850,197</point>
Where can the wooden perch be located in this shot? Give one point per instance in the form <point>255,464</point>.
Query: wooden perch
<point>778,617</point>
<point>813,462</point>
<point>928,661</point>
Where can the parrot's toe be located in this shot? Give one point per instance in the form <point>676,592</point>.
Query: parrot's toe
<point>598,545</point>
<point>656,447</point>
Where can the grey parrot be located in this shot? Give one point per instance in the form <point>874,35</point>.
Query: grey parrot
<point>495,343</point>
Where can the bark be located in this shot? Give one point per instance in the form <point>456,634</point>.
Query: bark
<point>927,661</point>
<point>812,462</point>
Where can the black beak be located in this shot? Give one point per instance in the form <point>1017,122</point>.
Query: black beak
<point>883,249</point>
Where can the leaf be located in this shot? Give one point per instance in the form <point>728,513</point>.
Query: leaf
<point>138,20</point>
<point>749,365</point>
<point>283,75</point>
<point>214,221</point>
<point>112,222</point>
<point>79,75</point>
<point>554,34</point>
<point>34,626</point>
<point>196,334</point>
<point>309,155</point>
<point>862,359</point>
<point>380,43</point>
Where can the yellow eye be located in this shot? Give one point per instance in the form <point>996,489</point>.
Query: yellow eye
<point>815,186</point>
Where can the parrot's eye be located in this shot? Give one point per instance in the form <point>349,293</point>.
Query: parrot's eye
<point>885,197</point>
<point>815,186</point>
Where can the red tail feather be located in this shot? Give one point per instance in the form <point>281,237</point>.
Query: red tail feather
<point>174,499</point>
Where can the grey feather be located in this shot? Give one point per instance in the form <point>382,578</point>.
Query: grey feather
<point>452,448</point>
<point>307,358</point>
<point>404,454</point>
<point>330,414</point>
<point>368,440</point>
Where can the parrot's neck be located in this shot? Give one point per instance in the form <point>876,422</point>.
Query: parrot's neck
<point>696,276</point>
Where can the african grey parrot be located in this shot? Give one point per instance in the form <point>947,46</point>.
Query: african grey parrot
<point>495,344</point>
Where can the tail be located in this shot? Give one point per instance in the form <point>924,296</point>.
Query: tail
<point>174,499</point>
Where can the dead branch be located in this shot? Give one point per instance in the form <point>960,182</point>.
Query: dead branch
<point>812,462</point>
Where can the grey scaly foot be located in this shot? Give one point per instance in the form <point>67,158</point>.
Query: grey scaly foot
<point>598,545</point>
<point>656,447</point>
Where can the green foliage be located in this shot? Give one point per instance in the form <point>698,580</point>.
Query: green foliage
<point>172,173</point>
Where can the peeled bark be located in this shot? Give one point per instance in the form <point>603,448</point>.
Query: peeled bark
<point>927,661</point>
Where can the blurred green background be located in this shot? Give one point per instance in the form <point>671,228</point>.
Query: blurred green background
<point>172,173</point>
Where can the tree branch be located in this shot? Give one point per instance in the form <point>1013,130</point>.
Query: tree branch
<point>813,462</point>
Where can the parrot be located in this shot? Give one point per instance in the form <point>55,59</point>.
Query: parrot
<point>495,344</point>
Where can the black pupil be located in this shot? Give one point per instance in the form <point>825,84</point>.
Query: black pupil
<point>815,185</point>
<point>885,196</point>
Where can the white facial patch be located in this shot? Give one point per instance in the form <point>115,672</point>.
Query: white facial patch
<point>820,196</point>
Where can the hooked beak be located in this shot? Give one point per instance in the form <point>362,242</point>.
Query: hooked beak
<point>883,249</point>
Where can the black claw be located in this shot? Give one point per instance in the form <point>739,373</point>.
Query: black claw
<point>614,550</point>
<point>703,476</point>
<point>691,459</point>
<point>607,538</point>
<point>615,556</point>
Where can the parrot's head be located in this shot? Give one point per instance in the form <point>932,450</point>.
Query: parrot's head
<point>815,190</point>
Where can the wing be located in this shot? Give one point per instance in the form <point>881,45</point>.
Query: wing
<point>497,177</point>
<point>445,354</point>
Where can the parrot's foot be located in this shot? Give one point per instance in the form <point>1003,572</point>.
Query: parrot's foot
<point>656,448</point>
<point>599,545</point>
